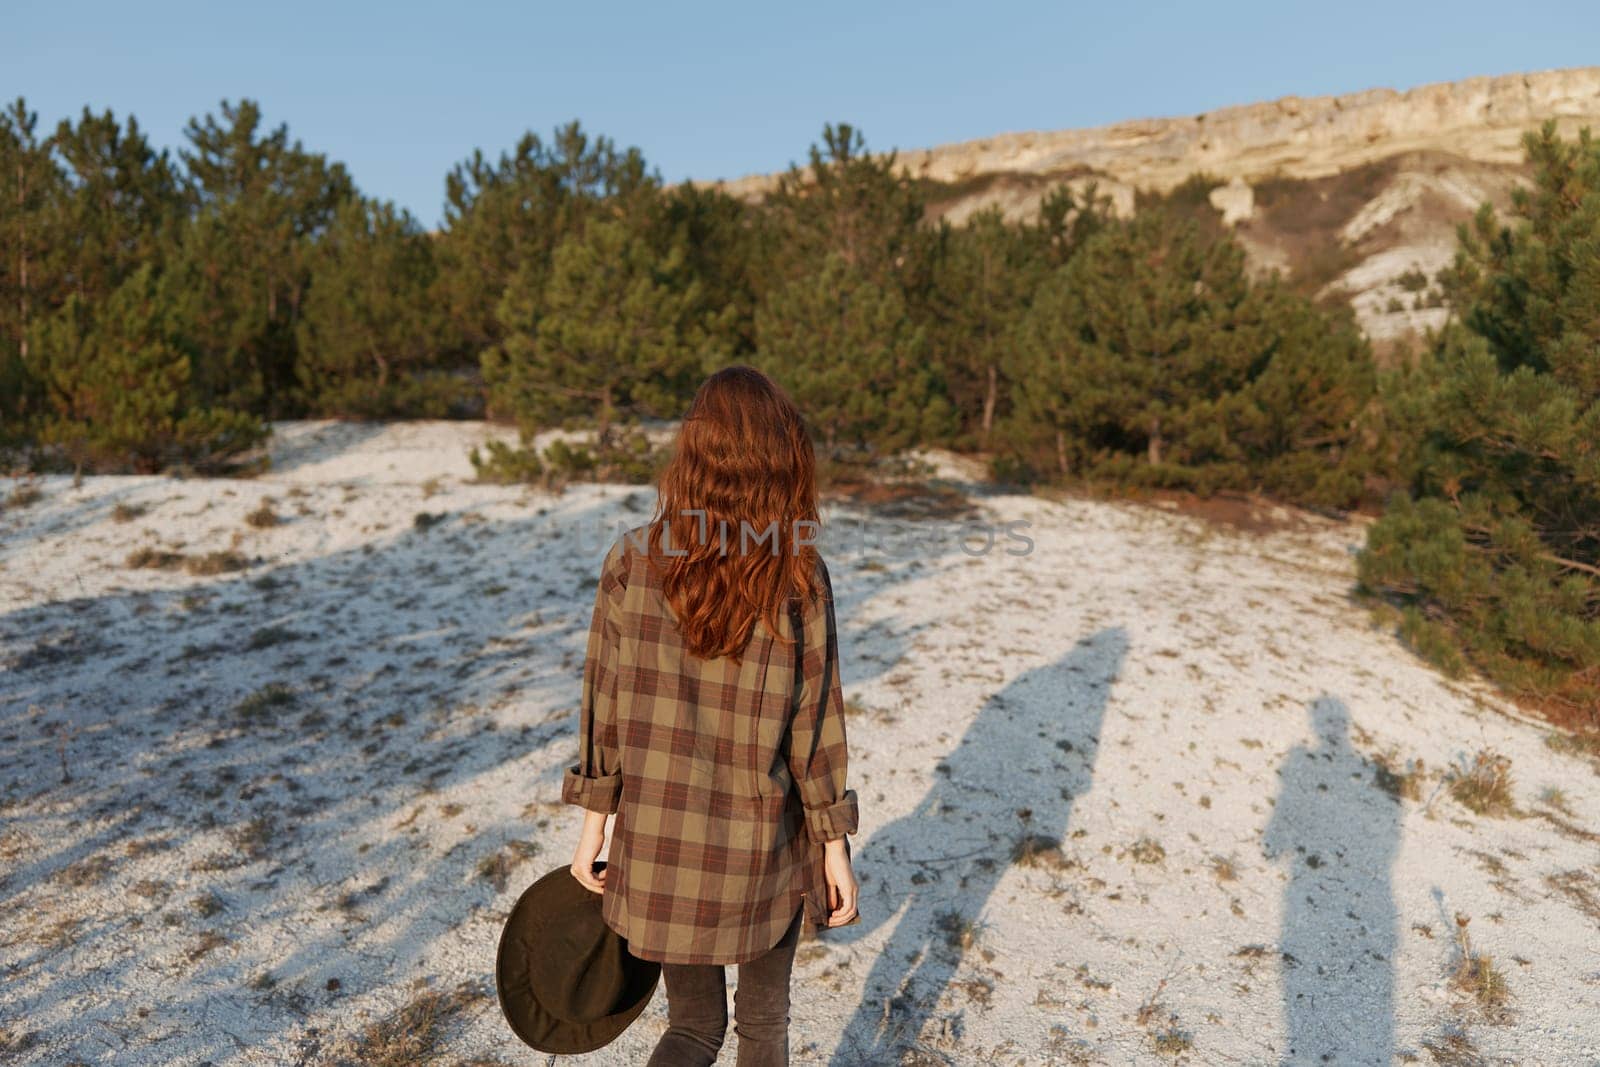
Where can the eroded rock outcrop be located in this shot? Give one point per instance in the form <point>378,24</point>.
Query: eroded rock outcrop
<point>1357,195</point>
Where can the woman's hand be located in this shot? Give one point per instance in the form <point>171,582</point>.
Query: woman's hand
<point>841,883</point>
<point>590,840</point>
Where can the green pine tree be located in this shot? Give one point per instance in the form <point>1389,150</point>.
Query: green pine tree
<point>118,376</point>
<point>31,280</point>
<point>1151,357</point>
<point>260,201</point>
<point>504,220</point>
<point>121,206</point>
<point>845,348</point>
<point>850,204</point>
<point>1494,555</point>
<point>609,336</point>
<point>369,332</point>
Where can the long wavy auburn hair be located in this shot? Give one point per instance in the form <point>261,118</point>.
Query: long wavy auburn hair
<point>743,458</point>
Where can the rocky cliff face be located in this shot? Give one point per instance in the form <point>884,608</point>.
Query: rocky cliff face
<point>1361,191</point>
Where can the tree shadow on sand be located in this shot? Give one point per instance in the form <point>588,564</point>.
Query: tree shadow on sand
<point>1338,941</point>
<point>294,791</point>
<point>1028,754</point>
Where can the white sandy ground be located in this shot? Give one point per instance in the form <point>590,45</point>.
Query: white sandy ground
<point>215,887</point>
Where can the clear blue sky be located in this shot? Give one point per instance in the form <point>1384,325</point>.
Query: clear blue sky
<point>400,91</point>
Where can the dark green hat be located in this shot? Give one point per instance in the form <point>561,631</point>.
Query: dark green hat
<point>567,982</point>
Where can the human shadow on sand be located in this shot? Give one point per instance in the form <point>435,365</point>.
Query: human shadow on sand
<point>1028,754</point>
<point>1338,941</point>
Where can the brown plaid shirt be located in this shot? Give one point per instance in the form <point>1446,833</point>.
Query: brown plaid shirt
<point>725,778</point>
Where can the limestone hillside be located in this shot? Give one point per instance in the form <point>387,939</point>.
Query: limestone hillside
<point>1354,194</point>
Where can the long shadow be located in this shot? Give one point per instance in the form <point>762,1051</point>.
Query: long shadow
<point>1028,754</point>
<point>1339,836</point>
<point>276,859</point>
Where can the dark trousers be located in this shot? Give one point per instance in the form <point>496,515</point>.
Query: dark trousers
<point>697,1009</point>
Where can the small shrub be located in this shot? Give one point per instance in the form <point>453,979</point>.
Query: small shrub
<point>263,517</point>
<point>426,520</point>
<point>127,512</point>
<point>148,558</point>
<point>1412,281</point>
<point>216,563</point>
<point>268,636</point>
<point>506,465</point>
<point>1484,785</point>
<point>632,461</point>
<point>25,495</point>
<point>1038,850</point>
<point>269,698</point>
<point>162,559</point>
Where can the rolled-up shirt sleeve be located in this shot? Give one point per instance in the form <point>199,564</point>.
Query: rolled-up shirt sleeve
<point>817,751</point>
<point>595,781</point>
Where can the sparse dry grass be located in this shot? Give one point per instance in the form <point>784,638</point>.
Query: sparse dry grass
<point>1581,889</point>
<point>220,562</point>
<point>1171,1040</point>
<point>1484,785</point>
<point>412,1034</point>
<point>252,838</point>
<point>125,512</point>
<point>1585,745</point>
<point>151,888</point>
<point>91,870</point>
<point>1145,850</point>
<point>1454,1049</point>
<point>1166,1035</point>
<point>1039,850</point>
<point>208,943</point>
<point>1401,779</point>
<point>979,991</point>
<point>207,904</point>
<point>1555,797</point>
<point>960,932</point>
<point>161,559</point>
<point>498,866</point>
<point>59,934</point>
<point>148,558</point>
<point>1476,976</point>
